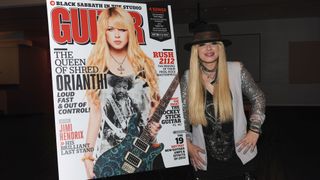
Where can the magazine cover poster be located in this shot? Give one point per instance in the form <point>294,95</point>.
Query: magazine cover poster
<point>117,102</point>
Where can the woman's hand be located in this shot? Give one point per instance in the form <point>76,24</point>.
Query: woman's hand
<point>154,128</point>
<point>249,142</point>
<point>88,163</point>
<point>118,134</point>
<point>195,158</point>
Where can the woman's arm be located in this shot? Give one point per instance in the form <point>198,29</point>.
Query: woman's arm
<point>257,113</point>
<point>92,134</point>
<point>257,100</point>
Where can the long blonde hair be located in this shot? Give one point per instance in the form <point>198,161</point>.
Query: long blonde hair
<point>196,90</point>
<point>138,59</point>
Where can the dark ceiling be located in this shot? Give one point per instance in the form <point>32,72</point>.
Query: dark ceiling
<point>185,11</point>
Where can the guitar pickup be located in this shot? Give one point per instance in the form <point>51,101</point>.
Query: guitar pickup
<point>133,159</point>
<point>141,145</point>
<point>128,168</point>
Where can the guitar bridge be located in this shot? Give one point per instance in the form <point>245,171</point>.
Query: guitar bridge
<point>133,159</point>
<point>141,145</point>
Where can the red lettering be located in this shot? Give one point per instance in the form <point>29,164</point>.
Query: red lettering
<point>76,25</point>
<point>80,25</point>
<point>61,26</point>
<point>93,24</point>
<point>158,54</point>
<point>159,10</point>
<point>138,22</point>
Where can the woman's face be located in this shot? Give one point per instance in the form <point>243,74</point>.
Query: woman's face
<point>208,52</point>
<point>117,38</point>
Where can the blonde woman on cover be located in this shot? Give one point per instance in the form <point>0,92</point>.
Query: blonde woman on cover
<point>117,53</point>
<point>219,144</point>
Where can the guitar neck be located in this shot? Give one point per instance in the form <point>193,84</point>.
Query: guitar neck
<point>161,107</point>
<point>165,100</point>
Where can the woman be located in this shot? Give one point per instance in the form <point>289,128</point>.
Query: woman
<point>219,143</point>
<point>117,53</point>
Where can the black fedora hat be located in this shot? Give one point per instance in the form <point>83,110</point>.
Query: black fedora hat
<point>204,33</point>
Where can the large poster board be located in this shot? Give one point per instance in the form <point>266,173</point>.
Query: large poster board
<point>106,108</point>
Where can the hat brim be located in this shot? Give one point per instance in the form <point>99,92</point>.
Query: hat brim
<point>188,46</point>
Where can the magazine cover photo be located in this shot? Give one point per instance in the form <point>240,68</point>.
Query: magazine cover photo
<point>116,90</point>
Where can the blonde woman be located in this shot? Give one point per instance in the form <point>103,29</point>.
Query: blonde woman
<point>219,144</point>
<point>118,54</point>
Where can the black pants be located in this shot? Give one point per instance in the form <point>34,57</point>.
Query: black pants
<point>225,171</point>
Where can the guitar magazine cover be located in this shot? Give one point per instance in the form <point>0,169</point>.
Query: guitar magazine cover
<point>117,102</point>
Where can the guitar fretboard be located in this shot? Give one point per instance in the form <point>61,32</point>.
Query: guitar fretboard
<point>161,107</point>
